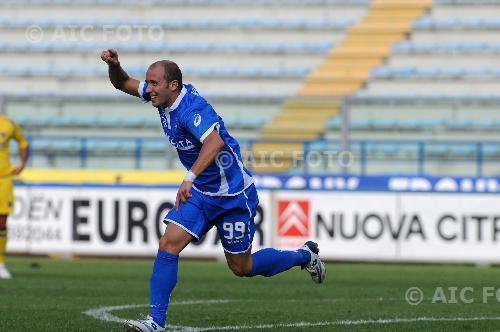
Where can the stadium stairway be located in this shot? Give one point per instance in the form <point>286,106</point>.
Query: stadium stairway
<point>344,71</point>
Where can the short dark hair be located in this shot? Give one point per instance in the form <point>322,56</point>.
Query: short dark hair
<point>172,71</point>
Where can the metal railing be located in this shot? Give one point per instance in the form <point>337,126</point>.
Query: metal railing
<point>361,157</point>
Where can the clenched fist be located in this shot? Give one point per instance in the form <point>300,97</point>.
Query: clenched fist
<point>110,56</point>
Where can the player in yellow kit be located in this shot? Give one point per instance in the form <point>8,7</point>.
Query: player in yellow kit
<point>8,130</point>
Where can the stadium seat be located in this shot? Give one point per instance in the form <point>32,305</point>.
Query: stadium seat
<point>154,145</point>
<point>254,122</point>
<point>362,124</point>
<point>333,123</point>
<point>462,150</point>
<point>459,124</point>
<point>436,149</point>
<point>491,150</point>
<point>398,97</point>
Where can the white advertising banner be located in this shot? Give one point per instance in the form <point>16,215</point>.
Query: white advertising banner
<point>384,226</point>
<point>391,226</point>
<point>105,221</point>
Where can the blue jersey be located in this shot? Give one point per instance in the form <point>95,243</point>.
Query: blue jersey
<point>187,123</point>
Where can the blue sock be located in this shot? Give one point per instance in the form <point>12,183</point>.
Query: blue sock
<point>268,262</point>
<point>161,284</point>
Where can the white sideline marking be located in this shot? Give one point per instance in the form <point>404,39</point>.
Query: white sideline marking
<point>103,313</point>
<point>340,323</point>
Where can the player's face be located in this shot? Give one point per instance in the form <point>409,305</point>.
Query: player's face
<point>162,93</point>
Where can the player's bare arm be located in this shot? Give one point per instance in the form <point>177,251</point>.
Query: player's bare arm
<point>23,156</point>
<point>212,145</point>
<point>117,75</point>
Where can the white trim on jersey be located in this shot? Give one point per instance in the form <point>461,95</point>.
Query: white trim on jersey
<point>226,194</point>
<point>209,131</point>
<point>246,202</point>
<point>246,177</point>
<point>249,214</point>
<point>178,99</point>
<point>224,186</point>
<point>247,180</point>
<point>140,90</point>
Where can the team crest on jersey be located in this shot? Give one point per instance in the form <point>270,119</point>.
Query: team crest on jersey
<point>197,120</point>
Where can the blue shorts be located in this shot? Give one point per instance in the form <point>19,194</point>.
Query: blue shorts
<point>232,215</point>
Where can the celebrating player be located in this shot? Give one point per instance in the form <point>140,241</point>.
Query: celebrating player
<point>217,190</point>
<point>8,130</point>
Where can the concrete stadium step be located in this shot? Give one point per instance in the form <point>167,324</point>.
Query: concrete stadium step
<point>314,89</point>
<point>388,19</point>
<point>303,119</point>
<point>397,15</point>
<point>290,136</point>
<point>359,62</point>
<point>379,28</point>
<point>379,50</point>
<point>287,149</point>
<point>308,112</point>
<point>291,130</point>
<point>330,79</point>
<point>278,166</point>
<point>294,128</point>
<point>357,54</point>
<point>301,116</point>
<point>345,69</point>
<point>368,40</point>
<point>334,77</point>
<point>401,4</point>
<point>275,157</point>
<point>308,103</point>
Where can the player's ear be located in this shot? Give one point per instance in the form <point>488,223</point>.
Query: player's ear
<point>173,85</point>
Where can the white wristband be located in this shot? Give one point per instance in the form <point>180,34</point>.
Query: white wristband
<point>190,176</point>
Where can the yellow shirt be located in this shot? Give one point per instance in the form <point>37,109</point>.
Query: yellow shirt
<point>9,129</point>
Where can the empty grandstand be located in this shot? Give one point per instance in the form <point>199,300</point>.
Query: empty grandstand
<point>407,87</point>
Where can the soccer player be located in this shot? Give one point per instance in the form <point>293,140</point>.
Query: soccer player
<point>8,130</point>
<point>217,190</point>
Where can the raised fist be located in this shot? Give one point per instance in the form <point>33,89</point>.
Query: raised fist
<point>110,56</point>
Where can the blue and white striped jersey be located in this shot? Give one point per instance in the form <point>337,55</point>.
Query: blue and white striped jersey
<point>187,123</point>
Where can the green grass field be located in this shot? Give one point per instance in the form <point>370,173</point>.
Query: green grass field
<point>355,297</point>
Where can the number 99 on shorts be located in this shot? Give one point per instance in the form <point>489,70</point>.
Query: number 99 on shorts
<point>234,231</point>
